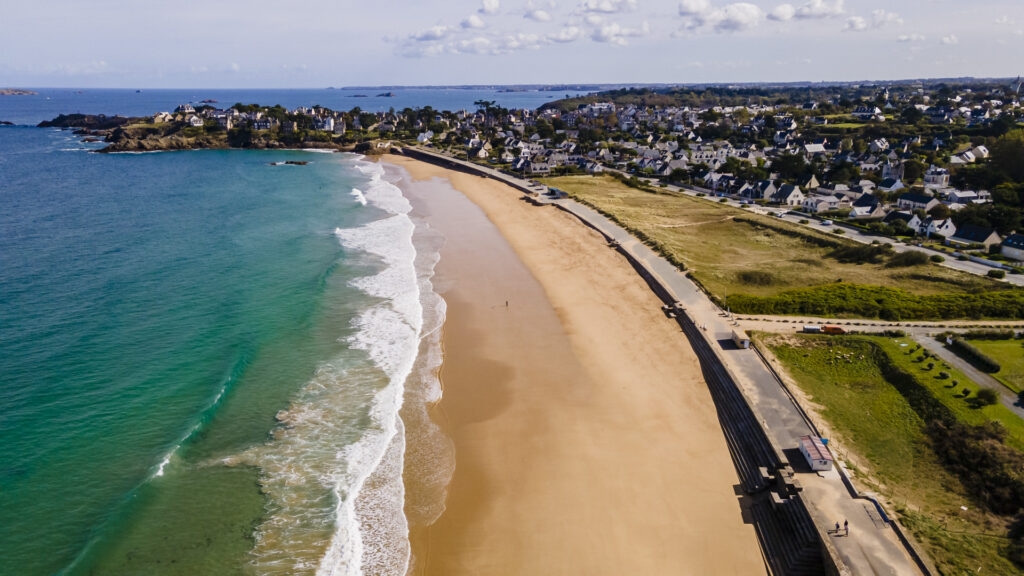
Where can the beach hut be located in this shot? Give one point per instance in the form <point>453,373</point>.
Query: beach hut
<point>815,452</point>
<point>740,338</point>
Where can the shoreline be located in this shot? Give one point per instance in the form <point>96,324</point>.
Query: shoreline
<point>563,462</point>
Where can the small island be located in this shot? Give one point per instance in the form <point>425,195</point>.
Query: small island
<point>17,92</point>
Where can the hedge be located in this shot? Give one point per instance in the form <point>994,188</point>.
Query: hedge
<point>974,356</point>
<point>881,302</point>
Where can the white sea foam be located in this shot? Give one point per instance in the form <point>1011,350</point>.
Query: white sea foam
<point>358,195</point>
<point>342,438</point>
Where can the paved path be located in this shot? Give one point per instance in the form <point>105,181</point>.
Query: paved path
<point>1006,396</point>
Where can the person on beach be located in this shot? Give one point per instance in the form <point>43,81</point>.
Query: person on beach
<point>837,528</point>
<point>846,527</point>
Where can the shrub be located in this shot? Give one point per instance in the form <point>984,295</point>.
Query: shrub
<point>987,397</point>
<point>723,200</point>
<point>838,231</point>
<point>905,259</point>
<point>997,274</point>
<point>943,375</point>
<point>803,221</point>
<point>936,258</point>
<point>860,254</point>
<point>989,335</point>
<point>962,258</point>
<point>755,278</point>
<point>974,356</point>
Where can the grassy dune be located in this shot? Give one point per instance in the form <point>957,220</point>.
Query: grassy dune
<point>732,251</point>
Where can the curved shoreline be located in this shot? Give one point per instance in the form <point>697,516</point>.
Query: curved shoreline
<point>586,440</point>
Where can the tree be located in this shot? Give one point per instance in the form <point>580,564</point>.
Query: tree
<point>940,212</point>
<point>986,397</point>
<point>1008,155</point>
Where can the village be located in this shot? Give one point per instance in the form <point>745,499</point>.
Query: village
<point>906,161</point>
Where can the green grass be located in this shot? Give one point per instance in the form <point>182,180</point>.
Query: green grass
<point>853,125</point>
<point>906,358</point>
<point>720,245</point>
<point>871,419</point>
<point>1010,355</point>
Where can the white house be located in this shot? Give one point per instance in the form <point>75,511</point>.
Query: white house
<point>913,201</point>
<point>1013,247</point>
<point>788,195</point>
<point>815,204</point>
<point>194,121</point>
<point>944,227</point>
<point>424,137</point>
<point>936,177</point>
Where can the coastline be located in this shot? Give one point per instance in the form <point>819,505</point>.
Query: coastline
<point>585,438</point>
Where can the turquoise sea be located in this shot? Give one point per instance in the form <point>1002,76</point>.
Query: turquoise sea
<point>202,359</point>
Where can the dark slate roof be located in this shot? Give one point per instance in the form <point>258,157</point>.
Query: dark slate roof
<point>866,201</point>
<point>916,198</point>
<point>1014,241</point>
<point>888,183</point>
<point>973,233</point>
<point>898,215</point>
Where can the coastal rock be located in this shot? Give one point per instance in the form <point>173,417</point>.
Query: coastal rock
<point>6,123</point>
<point>90,121</point>
<point>17,92</point>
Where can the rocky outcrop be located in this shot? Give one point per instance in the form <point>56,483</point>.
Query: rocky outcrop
<point>86,121</point>
<point>17,92</point>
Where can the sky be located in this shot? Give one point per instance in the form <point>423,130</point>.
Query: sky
<point>320,43</point>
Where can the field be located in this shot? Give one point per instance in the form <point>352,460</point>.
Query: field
<point>732,251</point>
<point>1010,355</point>
<point>892,453</point>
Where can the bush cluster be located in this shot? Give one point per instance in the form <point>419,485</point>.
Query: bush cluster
<point>881,302</point>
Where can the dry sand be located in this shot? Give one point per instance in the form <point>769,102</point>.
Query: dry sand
<point>586,441</point>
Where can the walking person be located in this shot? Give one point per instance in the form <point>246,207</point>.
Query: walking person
<point>846,527</point>
<point>837,528</point>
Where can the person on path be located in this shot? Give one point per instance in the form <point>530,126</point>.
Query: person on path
<point>846,527</point>
<point>837,527</point>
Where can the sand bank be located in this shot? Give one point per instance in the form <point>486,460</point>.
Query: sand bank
<point>586,441</point>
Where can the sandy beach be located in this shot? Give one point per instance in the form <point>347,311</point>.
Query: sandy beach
<point>586,441</point>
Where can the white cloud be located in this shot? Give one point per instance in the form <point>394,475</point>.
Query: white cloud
<point>855,24</point>
<point>475,45</point>
<point>431,34</point>
<point>910,38</point>
<point>729,18</point>
<point>880,18</point>
<point>950,40</point>
<point>608,6</point>
<point>820,9</point>
<point>538,15</point>
<point>593,19</point>
<point>565,35</point>
<point>490,6</point>
<point>782,13</point>
<point>473,21</point>
<point>1004,20</point>
<point>615,34</point>
<point>694,7</point>
<point>736,17</point>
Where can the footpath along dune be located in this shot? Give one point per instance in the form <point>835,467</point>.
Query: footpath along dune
<point>586,441</point>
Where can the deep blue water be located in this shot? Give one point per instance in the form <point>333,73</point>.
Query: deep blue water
<point>53,101</point>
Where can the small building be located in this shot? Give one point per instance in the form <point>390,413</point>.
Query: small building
<point>740,338</point>
<point>971,234</point>
<point>915,201</point>
<point>1013,247</point>
<point>816,453</point>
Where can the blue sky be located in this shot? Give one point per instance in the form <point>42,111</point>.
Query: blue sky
<point>319,43</point>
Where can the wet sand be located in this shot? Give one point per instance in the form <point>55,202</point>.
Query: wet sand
<point>586,441</point>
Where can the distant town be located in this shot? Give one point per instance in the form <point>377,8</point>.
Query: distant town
<point>940,162</point>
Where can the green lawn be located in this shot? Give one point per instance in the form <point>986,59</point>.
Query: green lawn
<point>951,397</point>
<point>874,421</point>
<point>1010,355</point>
